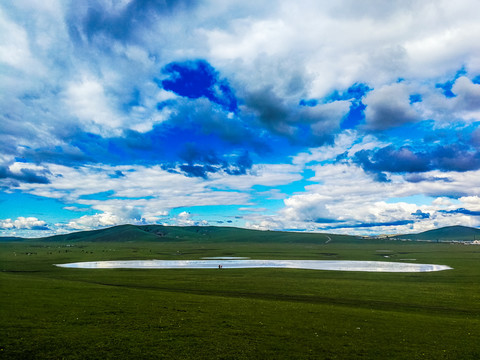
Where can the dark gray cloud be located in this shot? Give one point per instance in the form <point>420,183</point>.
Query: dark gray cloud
<point>370,224</point>
<point>121,23</point>
<point>305,122</point>
<point>201,162</point>
<point>419,214</point>
<point>461,211</point>
<point>452,157</point>
<point>389,107</point>
<point>455,157</point>
<point>416,178</point>
<point>394,160</point>
<point>25,175</point>
<point>271,110</point>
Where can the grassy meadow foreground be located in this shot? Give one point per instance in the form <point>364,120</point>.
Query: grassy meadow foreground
<point>47,312</point>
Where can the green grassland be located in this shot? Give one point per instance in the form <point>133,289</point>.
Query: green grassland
<point>47,312</point>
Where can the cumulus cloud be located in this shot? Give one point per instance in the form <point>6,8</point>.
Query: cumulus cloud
<point>325,119</point>
<point>185,219</point>
<point>335,202</point>
<point>451,157</point>
<point>162,104</point>
<point>272,111</point>
<point>148,194</point>
<point>23,223</point>
<point>346,144</point>
<point>88,102</point>
<point>201,162</point>
<point>88,222</point>
<point>120,21</point>
<point>15,46</point>
<point>468,96</point>
<point>21,172</point>
<point>389,107</point>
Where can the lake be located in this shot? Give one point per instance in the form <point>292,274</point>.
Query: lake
<point>336,265</point>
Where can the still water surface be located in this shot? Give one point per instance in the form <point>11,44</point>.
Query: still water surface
<point>338,265</point>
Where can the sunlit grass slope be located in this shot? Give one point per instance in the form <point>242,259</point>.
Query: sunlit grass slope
<point>194,233</point>
<point>449,233</point>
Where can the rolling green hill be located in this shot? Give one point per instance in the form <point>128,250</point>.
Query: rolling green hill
<point>449,233</point>
<point>117,233</point>
<point>10,238</point>
<point>124,233</point>
<point>128,233</point>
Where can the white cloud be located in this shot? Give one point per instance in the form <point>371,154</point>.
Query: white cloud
<point>252,209</point>
<point>249,38</point>
<point>345,197</point>
<point>442,201</point>
<point>75,208</point>
<point>23,223</point>
<point>471,202</point>
<point>260,174</point>
<point>462,107</point>
<point>87,100</point>
<point>337,49</point>
<point>17,167</point>
<point>51,7</point>
<point>299,50</point>
<point>340,194</point>
<point>319,46</point>
<point>150,193</point>
<point>14,46</point>
<point>185,219</point>
<point>264,223</point>
<point>88,222</point>
<point>348,141</point>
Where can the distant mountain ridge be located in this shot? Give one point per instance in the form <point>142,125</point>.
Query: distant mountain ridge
<point>448,233</point>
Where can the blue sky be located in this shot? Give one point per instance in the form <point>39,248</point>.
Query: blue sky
<point>346,116</point>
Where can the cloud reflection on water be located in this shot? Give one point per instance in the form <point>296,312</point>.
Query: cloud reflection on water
<point>343,265</point>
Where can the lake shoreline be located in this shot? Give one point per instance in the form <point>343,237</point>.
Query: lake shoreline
<point>332,265</point>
